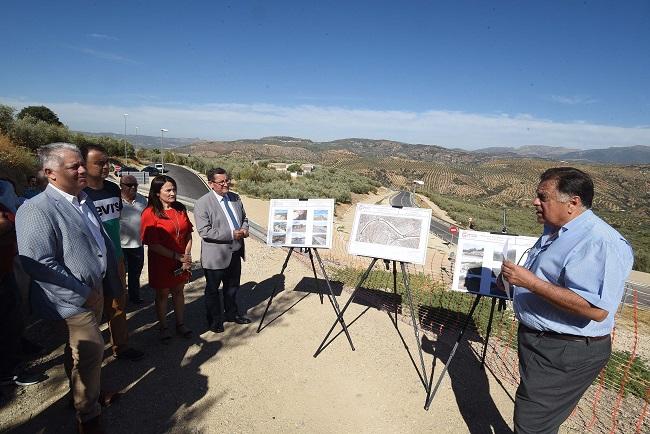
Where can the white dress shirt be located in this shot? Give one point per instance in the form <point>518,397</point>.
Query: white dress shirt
<point>223,208</point>
<point>94,225</point>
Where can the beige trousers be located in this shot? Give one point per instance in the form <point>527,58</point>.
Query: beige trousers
<point>83,357</point>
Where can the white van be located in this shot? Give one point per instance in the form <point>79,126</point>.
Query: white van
<point>160,167</point>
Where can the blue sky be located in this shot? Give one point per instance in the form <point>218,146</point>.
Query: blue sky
<point>463,74</point>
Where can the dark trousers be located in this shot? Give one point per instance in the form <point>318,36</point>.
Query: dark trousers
<point>134,262</point>
<point>222,305</point>
<point>11,325</point>
<point>554,375</point>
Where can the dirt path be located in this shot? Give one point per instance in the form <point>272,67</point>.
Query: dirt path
<point>241,381</point>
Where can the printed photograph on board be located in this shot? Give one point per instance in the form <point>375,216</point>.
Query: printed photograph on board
<point>304,223</point>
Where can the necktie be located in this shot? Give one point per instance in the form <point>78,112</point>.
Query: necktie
<point>233,219</point>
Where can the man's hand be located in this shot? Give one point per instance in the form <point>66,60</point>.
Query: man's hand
<point>517,275</point>
<point>561,297</point>
<point>238,234</point>
<point>245,232</point>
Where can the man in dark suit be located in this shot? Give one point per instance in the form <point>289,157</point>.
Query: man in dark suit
<point>70,258</point>
<point>222,224</point>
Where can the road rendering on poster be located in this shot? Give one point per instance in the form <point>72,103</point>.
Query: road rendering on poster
<point>479,257</point>
<point>385,232</point>
<point>300,223</point>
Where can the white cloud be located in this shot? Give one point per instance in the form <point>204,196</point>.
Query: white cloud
<point>572,99</point>
<point>113,57</point>
<point>102,36</point>
<point>434,127</point>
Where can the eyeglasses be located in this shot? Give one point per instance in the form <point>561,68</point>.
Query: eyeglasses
<point>129,185</point>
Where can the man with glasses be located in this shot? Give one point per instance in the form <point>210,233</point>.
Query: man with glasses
<point>222,224</point>
<point>108,202</point>
<point>133,203</point>
<point>565,298</point>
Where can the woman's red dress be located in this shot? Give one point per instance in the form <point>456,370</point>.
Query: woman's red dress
<point>171,233</point>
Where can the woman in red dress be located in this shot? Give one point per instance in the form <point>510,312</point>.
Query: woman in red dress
<point>167,231</point>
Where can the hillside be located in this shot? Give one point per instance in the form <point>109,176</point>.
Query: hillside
<point>477,179</point>
<point>471,175</point>
<point>615,155</point>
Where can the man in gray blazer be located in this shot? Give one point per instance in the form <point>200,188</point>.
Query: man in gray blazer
<point>71,261</point>
<point>222,224</point>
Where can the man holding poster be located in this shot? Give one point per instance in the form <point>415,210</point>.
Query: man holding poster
<point>565,297</point>
<point>222,224</point>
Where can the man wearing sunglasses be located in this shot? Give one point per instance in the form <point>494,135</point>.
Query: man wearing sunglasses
<point>222,224</point>
<point>133,203</point>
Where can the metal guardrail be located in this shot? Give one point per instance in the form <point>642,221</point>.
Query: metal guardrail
<point>642,295</point>
<point>141,177</point>
<point>257,231</point>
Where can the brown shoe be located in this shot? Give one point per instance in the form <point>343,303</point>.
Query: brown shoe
<point>92,426</point>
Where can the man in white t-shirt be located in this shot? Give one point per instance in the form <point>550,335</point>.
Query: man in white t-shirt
<point>133,205</point>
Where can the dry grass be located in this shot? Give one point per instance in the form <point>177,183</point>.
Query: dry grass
<point>627,317</point>
<point>16,163</point>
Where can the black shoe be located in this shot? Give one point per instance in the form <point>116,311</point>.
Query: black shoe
<point>23,378</point>
<point>240,319</point>
<point>217,328</point>
<point>130,354</point>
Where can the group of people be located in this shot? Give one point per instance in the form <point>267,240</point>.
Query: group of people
<point>79,238</point>
<point>74,236</point>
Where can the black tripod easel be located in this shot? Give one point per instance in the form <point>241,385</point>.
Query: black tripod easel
<point>312,251</point>
<point>502,304</point>
<point>432,393</point>
<point>423,374</point>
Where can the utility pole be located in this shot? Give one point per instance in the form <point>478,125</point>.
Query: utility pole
<point>126,155</point>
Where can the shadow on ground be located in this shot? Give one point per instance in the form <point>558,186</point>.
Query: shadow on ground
<point>154,389</point>
<point>468,380</point>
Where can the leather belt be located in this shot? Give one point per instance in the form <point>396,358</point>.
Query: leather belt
<point>561,336</point>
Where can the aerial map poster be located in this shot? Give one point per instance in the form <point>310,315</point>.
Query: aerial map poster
<point>397,234</point>
<point>479,257</point>
<point>300,223</point>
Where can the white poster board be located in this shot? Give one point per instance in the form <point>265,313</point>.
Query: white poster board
<point>478,260</point>
<point>396,234</point>
<point>300,223</point>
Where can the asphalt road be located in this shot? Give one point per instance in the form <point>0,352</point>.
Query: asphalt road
<point>402,198</point>
<point>438,228</point>
<point>189,185</point>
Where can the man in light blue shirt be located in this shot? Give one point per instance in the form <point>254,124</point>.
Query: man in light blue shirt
<point>565,297</point>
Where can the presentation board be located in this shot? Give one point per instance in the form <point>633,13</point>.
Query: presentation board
<point>396,234</point>
<point>479,256</point>
<point>300,223</point>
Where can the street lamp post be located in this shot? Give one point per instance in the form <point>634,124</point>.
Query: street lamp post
<point>162,153</point>
<point>136,136</point>
<point>126,155</point>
